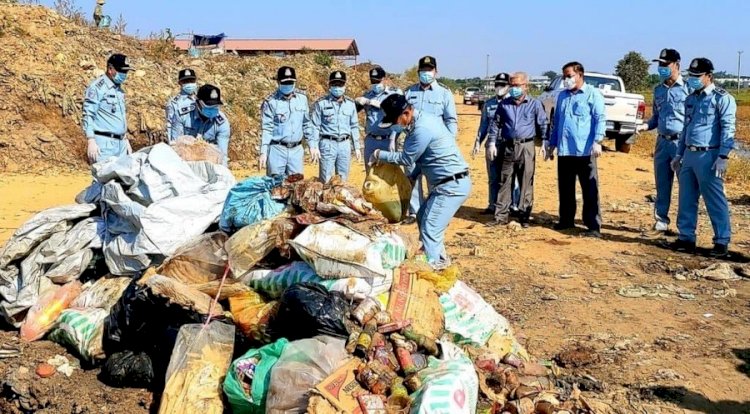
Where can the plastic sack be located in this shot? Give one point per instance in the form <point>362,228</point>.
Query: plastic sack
<point>389,191</point>
<point>42,316</point>
<point>200,260</point>
<point>102,293</point>
<point>199,362</point>
<point>307,310</point>
<point>254,242</point>
<point>449,385</point>
<point>249,377</point>
<point>250,202</point>
<point>71,267</point>
<point>192,149</point>
<point>469,318</point>
<point>82,331</point>
<point>252,315</point>
<point>302,365</point>
<point>127,369</point>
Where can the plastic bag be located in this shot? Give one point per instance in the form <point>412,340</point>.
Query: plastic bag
<point>201,260</point>
<point>252,314</point>
<point>127,369</point>
<point>192,149</point>
<point>42,316</point>
<point>449,385</point>
<point>254,242</point>
<point>302,365</point>
<point>389,191</point>
<point>443,280</point>
<point>102,293</point>
<point>307,310</point>
<point>249,378</point>
<point>199,362</point>
<point>82,330</point>
<point>250,202</point>
<point>469,318</point>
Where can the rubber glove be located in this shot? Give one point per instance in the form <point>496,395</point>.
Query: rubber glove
<point>676,163</point>
<point>596,150</point>
<point>491,152</point>
<point>314,155</point>
<point>92,151</point>
<point>720,165</point>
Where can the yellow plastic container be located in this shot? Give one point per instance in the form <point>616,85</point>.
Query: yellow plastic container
<point>389,190</point>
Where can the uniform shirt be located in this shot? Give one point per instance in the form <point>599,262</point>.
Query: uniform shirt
<point>180,105</point>
<point>668,110</point>
<point>374,115</point>
<point>335,117</point>
<point>285,119</point>
<point>104,108</point>
<point>488,112</point>
<point>513,121</point>
<point>431,148</point>
<point>436,100</point>
<point>215,131</point>
<point>709,120</point>
<point>580,121</point>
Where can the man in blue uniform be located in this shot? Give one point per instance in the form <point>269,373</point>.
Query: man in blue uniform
<point>376,138</point>
<point>104,117</point>
<point>577,134</point>
<point>702,158</point>
<point>206,121</point>
<point>668,117</point>
<point>433,151</point>
<point>285,118</point>
<point>336,126</point>
<point>431,97</point>
<point>183,102</point>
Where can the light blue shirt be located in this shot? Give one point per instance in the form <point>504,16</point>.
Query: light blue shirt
<point>431,148</point>
<point>580,121</point>
<point>216,130</point>
<point>104,108</point>
<point>437,100</point>
<point>488,112</point>
<point>285,119</point>
<point>374,115</point>
<point>335,117</point>
<point>668,110</point>
<point>180,105</point>
<point>710,117</point>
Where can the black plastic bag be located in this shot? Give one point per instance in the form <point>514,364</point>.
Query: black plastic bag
<point>128,369</point>
<point>307,310</point>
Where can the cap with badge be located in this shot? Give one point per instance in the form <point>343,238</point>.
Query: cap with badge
<point>286,74</point>
<point>502,79</point>
<point>377,73</point>
<point>668,56</point>
<point>187,75</point>
<point>392,106</point>
<point>700,66</point>
<point>210,95</point>
<point>337,76</point>
<point>120,62</point>
<point>427,62</point>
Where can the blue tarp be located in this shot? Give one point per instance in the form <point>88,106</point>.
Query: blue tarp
<point>250,202</point>
<point>208,40</point>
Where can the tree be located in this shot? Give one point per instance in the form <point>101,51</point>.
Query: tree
<point>411,74</point>
<point>653,80</point>
<point>633,69</point>
<point>550,74</point>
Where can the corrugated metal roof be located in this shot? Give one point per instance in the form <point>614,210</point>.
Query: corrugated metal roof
<point>271,45</point>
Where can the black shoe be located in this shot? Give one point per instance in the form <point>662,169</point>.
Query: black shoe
<point>514,212</point>
<point>409,220</point>
<point>596,234</point>
<point>683,246</point>
<point>563,226</point>
<point>719,251</point>
<point>489,211</point>
<point>525,224</point>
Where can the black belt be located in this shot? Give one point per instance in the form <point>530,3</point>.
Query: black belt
<point>670,137</point>
<point>453,178</point>
<point>108,134</point>
<point>287,144</point>
<point>519,141</point>
<point>693,148</point>
<point>378,137</point>
<point>334,138</point>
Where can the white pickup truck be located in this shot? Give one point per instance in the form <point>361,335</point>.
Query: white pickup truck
<point>624,110</point>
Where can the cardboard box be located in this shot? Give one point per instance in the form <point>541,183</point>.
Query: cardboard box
<point>415,299</point>
<point>341,388</point>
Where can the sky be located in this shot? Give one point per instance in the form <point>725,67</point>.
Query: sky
<point>530,35</point>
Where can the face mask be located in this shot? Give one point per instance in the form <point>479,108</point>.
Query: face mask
<point>664,72</point>
<point>501,90</point>
<point>515,92</point>
<point>286,89</point>
<point>569,83</point>
<point>695,83</point>
<point>377,88</point>
<point>209,112</point>
<point>426,77</point>
<point>120,78</point>
<point>337,91</point>
<point>189,88</point>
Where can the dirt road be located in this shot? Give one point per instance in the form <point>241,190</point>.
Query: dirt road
<point>657,339</point>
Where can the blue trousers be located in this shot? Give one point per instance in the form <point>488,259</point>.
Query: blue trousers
<point>285,161</point>
<point>698,179</point>
<point>335,159</point>
<point>493,186</point>
<point>110,147</point>
<point>664,176</point>
<point>436,213</point>
<point>371,144</point>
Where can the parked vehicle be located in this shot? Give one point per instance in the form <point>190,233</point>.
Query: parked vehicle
<point>469,93</point>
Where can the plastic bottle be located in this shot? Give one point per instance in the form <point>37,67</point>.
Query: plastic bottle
<point>388,189</point>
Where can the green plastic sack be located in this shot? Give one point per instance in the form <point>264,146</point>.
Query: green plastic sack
<point>263,359</point>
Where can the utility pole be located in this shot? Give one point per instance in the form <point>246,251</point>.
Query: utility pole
<point>487,67</point>
<point>739,63</point>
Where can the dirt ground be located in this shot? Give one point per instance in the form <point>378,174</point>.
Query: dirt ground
<point>623,313</point>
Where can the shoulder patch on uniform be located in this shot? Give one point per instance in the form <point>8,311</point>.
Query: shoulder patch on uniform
<point>220,119</point>
<point>100,83</point>
<point>721,91</point>
<point>186,109</point>
<point>300,91</point>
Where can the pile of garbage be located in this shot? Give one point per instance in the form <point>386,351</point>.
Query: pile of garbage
<point>270,295</point>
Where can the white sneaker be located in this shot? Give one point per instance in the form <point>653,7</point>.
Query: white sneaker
<point>661,226</point>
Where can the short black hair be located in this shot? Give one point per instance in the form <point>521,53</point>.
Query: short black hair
<point>577,67</point>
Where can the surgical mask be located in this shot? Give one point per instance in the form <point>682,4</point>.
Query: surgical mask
<point>501,90</point>
<point>286,89</point>
<point>337,91</point>
<point>189,88</point>
<point>377,88</point>
<point>209,112</point>
<point>515,92</point>
<point>569,83</point>
<point>695,83</point>
<point>426,77</point>
<point>664,72</point>
<point>120,78</point>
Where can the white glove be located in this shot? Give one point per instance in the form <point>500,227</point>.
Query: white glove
<point>550,152</point>
<point>374,103</point>
<point>491,152</point>
<point>544,151</point>
<point>641,128</point>
<point>392,144</point>
<point>720,165</point>
<point>128,148</point>
<point>358,155</point>
<point>314,155</point>
<point>362,100</point>
<point>676,163</point>
<point>262,161</point>
<point>92,151</point>
<point>596,150</point>
<point>475,150</point>
<point>374,158</point>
